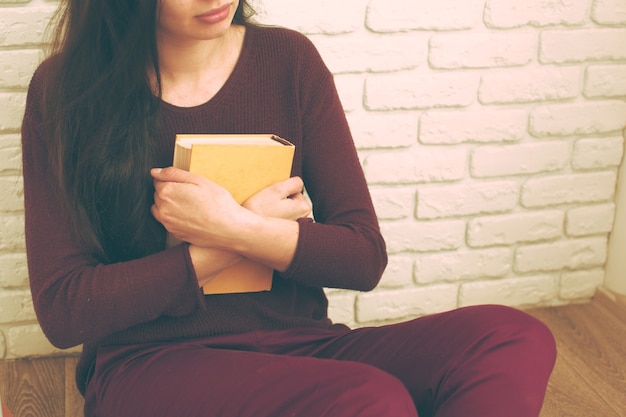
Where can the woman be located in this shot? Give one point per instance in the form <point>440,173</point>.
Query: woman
<point>102,113</point>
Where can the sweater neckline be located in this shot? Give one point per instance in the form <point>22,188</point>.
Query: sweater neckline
<point>234,81</point>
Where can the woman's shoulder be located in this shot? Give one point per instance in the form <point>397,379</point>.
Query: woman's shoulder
<point>282,39</point>
<point>45,67</point>
<point>40,78</point>
<point>279,32</point>
<point>41,75</point>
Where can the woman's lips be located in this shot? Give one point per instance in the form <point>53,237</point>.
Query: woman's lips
<point>215,15</point>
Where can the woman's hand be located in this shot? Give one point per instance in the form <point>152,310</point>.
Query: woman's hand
<point>200,212</point>
<point>194,209</point>
<point>282,200</point>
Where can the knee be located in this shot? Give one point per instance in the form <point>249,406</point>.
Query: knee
<point>539,339</point>
<point>528,330</point>
<point>522,334</point>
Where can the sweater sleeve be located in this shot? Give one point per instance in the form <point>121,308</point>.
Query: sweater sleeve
<point>343,247</point>
<point>76,298</point>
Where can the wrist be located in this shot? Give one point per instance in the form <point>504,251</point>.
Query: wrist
<point>242,230</point>
<point>269,240</point>
<point>208,262</point>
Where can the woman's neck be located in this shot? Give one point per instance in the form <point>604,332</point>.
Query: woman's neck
<point>193,72</point>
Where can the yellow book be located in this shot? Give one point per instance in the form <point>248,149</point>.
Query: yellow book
<point>244,165</point>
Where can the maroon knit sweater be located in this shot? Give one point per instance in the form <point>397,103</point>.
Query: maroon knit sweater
<point>280,85</point>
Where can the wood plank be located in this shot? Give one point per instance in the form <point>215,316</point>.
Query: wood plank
<point>33,387</point>
<point>591,341</point>
<point>74,402</point>
<point>569,395</point>
<point>615,303</point>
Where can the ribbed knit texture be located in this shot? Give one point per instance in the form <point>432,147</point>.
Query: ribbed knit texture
<point>280,85</point>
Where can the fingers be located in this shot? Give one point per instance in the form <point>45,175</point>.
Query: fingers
<point>172,174</point>
<point>283,199</point>
<point>301,206</point>
<point>290,187</point>
<point>166,181</point>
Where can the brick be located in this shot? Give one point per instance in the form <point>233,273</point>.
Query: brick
<point>3,345</point>
<point>415,165</point>
<point>13,111</point>
<point>590,220</point>
<point>569,189</point>
<point>519,159</point>
<point>405,236</point>
<point>535,290</point>
<point>524,85</point>
<point>463,265</point>
<point>598,153</point>
<point>605,81</point>
<point>511,229</point>
<point>12,236</point>
<point>10,153</point>
<point>399,272</point>
<point>578,119</point>
<point>13,271</point>
<point>16,306</point>
<point>11,197</point>
<point>356,53</point>
<point>609,12</point>
<point>341,307</point>
<point>312,17</point>
<point>29,340</point>
<point>466,199</point>
<point>405,303</point>
<point>566,254</point>
<point>17,67</point>
<point>580,285</point>
<point>459,126</point>
<point>571,46</point>
<point>405,15</point>
<point>24,26</point>
<point>402,149</point>
<point>383,130</point>
<point>420,90</point>
<point>393,203</point>
<point>480,50</point>
<point>350,90</point>
<point>506,14</point>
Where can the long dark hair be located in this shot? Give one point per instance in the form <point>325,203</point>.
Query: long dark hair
<point>100,113</point>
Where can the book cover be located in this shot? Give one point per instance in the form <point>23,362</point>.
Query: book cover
<point>244,165</point>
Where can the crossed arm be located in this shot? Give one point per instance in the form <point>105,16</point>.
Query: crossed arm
<point>220,231</point>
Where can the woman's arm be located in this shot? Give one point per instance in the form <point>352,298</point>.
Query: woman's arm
<point>76,297</point>
<point>204,214</point>
<point>343,247</point>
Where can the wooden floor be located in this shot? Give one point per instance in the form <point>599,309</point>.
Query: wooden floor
<point>589,379</point>
<point>40,387</point>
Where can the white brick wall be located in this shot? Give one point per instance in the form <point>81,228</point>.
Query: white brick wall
<point>490,131</point>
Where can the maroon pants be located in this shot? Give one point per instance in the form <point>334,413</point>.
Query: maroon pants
<point>476,361</point>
